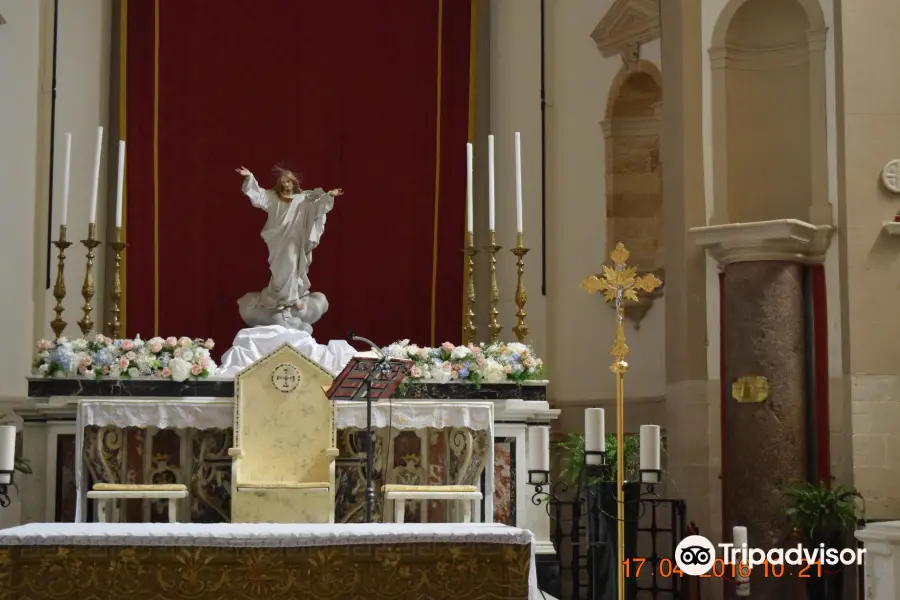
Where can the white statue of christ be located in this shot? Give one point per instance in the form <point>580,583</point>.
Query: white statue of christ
<point>294,227</point>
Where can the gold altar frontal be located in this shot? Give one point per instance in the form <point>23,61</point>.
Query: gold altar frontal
<point>417,569</point>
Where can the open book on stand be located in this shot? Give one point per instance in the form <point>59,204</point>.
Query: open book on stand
<point>383,373</point>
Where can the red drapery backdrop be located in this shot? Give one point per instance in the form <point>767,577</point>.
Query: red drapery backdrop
<point>372,97</point>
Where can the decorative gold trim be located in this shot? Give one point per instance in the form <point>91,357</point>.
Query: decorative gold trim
<point>628,23</point>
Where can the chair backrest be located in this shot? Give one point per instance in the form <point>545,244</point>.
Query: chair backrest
<point>283,421</point>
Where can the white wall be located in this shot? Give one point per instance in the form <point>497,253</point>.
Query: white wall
<point>26,73</point>
<point>581,326</point>
<point>20,52</point>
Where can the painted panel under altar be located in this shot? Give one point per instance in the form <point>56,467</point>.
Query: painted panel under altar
<point>154,560</point>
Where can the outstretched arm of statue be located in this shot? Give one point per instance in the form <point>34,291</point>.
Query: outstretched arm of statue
<point>258,196</point>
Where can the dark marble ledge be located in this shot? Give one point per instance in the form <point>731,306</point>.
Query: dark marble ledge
<point>223,387</point>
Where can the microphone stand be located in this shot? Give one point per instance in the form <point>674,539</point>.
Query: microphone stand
<point>376,372</point>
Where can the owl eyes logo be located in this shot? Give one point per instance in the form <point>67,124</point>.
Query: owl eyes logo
<point>695,555</point>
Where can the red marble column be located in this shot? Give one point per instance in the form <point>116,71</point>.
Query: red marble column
<point>764,444</point>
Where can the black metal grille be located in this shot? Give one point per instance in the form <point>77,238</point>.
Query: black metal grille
<point>584,532</point>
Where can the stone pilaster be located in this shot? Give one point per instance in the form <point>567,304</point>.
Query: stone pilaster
<point>763,308</point>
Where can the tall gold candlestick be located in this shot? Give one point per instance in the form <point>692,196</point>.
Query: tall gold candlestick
<point>87,289</point>
<point>58,325</point>
<point>493,326</point>
<point>469,329</point>
<point>618,284</point>
<point>521,329</point>
<point>115,292</point>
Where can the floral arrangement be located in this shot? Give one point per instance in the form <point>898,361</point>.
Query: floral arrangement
<point>98,356</point>
<point>491,363</point>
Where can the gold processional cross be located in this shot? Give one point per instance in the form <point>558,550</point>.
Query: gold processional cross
<point>620,283</point>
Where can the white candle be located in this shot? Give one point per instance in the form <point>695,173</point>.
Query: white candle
<point>491,192</point>
<point>7,451</point>
<point>95,185</point>
<point>739,537</point>
<point>594,433</point>
<point>539,448</point>
<point>120,184</point>
<point>650,448</point>
<point>518,182</point>
<point>66,170</point>
<point>469,219</point>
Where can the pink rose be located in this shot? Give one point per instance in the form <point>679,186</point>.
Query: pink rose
<point>177,352</point>
<point>45,345</point>
<point>82,369</point>
<point>447,346</point>
<point>184,342</point>
<point>166,372</point>
<point>85,361</point>
<point>204,362</point>
<point>127,345</point>
<point>171,341</point>
<point>105,370</point>
<point>155,346</point>
<point>479,359</point>
<point>196,369</point>
<point>131,356</point>
<point>415,371</point>
<point>209,344</point>
<point>123,363</point>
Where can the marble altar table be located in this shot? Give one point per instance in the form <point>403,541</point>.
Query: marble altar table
<point>145,561</point>
<point>171,455</point>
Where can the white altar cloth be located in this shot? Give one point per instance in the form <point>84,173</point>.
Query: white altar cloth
<point>262,535</point>
<point>216,413</point>
<point>253,343</point>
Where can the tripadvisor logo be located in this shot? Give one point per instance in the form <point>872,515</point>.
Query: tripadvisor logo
<point>696,555</point>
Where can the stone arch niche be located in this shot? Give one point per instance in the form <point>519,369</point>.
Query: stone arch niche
<point>634,200</point>
<point>769,113</point>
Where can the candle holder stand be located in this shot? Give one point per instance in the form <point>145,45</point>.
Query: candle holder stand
<point>58,325</point>
<point>6,476</point>
<point>493,326</point>
<point>469,328</point>
<point>115,292</point>
<point>87,289</point>
<point>521,329</point>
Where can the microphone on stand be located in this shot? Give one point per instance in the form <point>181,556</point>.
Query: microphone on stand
<point>355,338</point>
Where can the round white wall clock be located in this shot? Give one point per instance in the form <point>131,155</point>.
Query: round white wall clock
<point>890,176</point>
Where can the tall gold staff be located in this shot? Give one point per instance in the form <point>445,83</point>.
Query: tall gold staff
<point>620,283</point>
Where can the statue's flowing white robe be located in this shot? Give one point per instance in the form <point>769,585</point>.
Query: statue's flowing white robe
<point>292,232</point>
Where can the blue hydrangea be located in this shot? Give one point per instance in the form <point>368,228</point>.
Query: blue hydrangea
<point>64,357</point>
<point>464,371</point>
<point>102,358</point>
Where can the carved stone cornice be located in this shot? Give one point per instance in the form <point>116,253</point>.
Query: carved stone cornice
<point>626,24</point>
<point>783,239</point>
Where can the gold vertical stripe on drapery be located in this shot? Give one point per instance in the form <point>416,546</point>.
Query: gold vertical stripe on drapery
<point>123,128</point>
<point>473,81</point>
<point>437,169</point>
<point>156,168</point>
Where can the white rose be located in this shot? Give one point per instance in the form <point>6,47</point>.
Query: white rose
<point>460,352</point>
<point>114,371</point>
<point>134,372</point>
<point>187,355</point>
<point>181,369</point>
<point>43,368</point>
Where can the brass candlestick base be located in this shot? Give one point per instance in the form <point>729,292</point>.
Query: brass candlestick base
<point>469,329</point>
<point>521,329</point>
<point>115,293</point>
<point>87,289</point>
<point>58,325</point>
<point>493,326</point>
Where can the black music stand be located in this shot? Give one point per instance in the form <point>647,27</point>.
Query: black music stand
<point>377,377</point>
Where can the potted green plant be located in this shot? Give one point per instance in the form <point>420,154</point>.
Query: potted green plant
<point>604,556</point>
<point>824,515</point>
